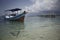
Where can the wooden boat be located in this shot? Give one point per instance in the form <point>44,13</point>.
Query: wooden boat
<point>16,16</point>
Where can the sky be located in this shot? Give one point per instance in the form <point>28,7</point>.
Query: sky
<point>30,5</point>
<point>11,4</point>
<point>6,4</point>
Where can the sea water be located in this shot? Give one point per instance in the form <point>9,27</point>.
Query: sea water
<point>33,28</point>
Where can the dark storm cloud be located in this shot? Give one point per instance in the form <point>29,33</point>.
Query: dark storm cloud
<point>58,4</point>
<point>5,4</point>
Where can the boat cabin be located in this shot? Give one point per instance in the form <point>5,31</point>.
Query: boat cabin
<point>13,14</point>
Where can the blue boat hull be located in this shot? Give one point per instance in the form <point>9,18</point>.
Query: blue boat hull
<point>19,17</point>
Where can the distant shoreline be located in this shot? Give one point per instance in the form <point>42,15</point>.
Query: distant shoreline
<point>49,16</point>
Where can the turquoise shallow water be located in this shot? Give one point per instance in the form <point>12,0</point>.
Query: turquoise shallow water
<point>33,28</point>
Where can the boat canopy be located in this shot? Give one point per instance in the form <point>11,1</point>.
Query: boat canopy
<point>13,10</point>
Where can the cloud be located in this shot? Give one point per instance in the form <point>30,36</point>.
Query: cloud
<point>40,5</point>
